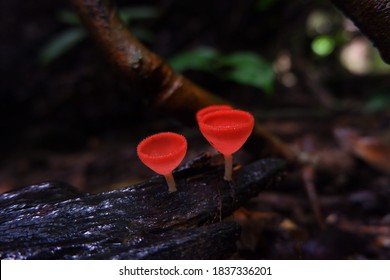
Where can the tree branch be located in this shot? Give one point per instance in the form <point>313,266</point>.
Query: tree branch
<point>373,19</point>
<point>163,88</point>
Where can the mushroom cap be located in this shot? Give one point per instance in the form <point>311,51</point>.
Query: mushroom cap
<point>209,109</point>
<point>162,152</point>
<point>227,130</point>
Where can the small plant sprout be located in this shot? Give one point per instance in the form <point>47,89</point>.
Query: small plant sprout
<point>163,152</point>
<point>209,109</point>
<point>227,131</point>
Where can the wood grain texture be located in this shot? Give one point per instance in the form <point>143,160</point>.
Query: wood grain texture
<point>145,221</point>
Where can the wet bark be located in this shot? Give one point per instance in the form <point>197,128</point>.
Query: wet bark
<point>145,221</point>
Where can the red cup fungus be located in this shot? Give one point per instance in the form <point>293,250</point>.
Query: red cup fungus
<point>163,152</point>
<point>227,131</point>
<point>209,109</point>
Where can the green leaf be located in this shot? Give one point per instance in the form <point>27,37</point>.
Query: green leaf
<point>138,12</point>
<point>198,59</point>
<point>243,67</point>
<point>249,69</point>
<point>61,44</point>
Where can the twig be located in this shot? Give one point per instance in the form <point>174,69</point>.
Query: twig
<point>308,180</point>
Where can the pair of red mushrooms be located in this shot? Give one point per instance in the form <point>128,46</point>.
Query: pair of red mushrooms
<point>225,128</point>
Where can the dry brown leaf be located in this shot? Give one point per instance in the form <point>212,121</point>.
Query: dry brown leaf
<point>373,150</point>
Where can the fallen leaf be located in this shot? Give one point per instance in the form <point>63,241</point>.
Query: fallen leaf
<point>372,149</point>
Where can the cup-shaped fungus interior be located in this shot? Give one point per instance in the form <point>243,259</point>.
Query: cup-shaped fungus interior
<point>209,109</point>
<point>227,130</point>
<point>162,152</point>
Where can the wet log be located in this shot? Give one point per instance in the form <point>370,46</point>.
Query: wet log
<point>373,19</point>
<point>54,221</point>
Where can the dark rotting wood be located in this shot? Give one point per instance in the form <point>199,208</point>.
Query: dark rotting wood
<point>54,221</point>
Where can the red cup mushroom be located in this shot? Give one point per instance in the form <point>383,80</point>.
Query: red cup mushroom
<point>209,109</point>
<point>227,131</point>
<point>163,152</point>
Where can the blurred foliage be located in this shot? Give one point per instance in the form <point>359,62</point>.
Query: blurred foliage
<point>67,39</point>
<point>62,43</point>
<point>379,102</point>
<point>325,31</point>
<point>68,17</point>
<point>246,68</point>
<point>323,45</point>
<point>263,5</point>
<point>249,69</point>
<point>318,41</point>
<point>202,59</point>
<point>128,14</point>
<point>331,33</point>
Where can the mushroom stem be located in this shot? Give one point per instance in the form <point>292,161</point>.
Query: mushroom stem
<point>171,182</point>
<point>228,167</point>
